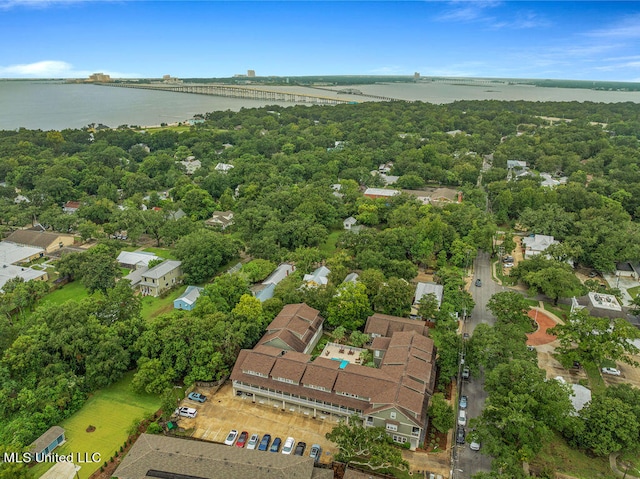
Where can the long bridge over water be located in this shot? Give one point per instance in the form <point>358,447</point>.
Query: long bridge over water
<point>234,91</point>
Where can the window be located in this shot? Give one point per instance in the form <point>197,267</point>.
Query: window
<point>392,415</point>
<point>392,427</point>
<point>415,431</point>
<point>369,420</point>
<point>400,439</point>
<point>377,353</point>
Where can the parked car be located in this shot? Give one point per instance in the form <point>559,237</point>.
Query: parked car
<point>300,448</point>
<point>264,444</point>
<point>460,434</point>
<point>288,445</point>
<point>315,453</point>
<point>186,412</point>
<point>275,445</point>
<point>463,402</point>
<point>231,437</point>
<point>197,397</point>
<point>478,282</point>
<point>612,371</point>
<point>474,446</point>
<point>508,265</point>
<point>474,443</point>
<point>466,372</point>
<point>507,259</point>
<point>253,441</point>
<point>242,439</point>
<point>593,274</point>
<point>462,418</point>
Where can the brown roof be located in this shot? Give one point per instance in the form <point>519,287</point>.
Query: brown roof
<point>41,239</point>
<point>322,373</point>
<point>380,343</point>
<point>260,363</point>
<point>288,369</point>
<point>295,325</point>
<point>386,325</point>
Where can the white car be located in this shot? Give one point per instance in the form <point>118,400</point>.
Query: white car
<point>612,371</point>
<point>508,265</point>
<point>253,441</point>
<point>231,437</point>
<point>474,446</point>
<point>186,412</point>
<point>462,418</point>
<point>289,444</point>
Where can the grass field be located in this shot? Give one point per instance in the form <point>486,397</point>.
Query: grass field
<point>152,307</point>
<point>595,378</point>
<point>634,291</point>
<point>559,457</point>
<point>161,252</point>
<point>74,290</point>
<point>330,245</point>
<point>112,411</point>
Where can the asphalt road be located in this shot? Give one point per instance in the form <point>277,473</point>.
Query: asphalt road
<point>465,461</point>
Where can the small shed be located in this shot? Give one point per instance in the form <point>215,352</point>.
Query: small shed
<point>188,299</point>
<point>48,441</point>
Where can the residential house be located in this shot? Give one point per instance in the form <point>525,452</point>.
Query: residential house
<point>50,242</point>
<point>223,219</point>
<point>351,278</point>
<point>156,280</point>
<point>224,167</point>
<point>384,325</point>
<point>349,223</point>
<point>71,207</point>
<point>176,215</point>
<point>297,327</point>
<point>375,193</point>
<point>516,169</point>
<point>12,253</point>
<point>550,182</point>
<point>426,288</point>
<point>135,259</point>
<point>265,290</point>
<point>536,244</point>
<point>10,271</point>
<point>21,199</point>
<point>187,300</point>
<point>320,277</point>
<point>191,165</point>
<point>155,455</point>
<point>394,396</point>
<point>336,187</point>
<point>45,444</point>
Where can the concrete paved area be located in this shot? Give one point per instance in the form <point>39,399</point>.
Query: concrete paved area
<point>223,412</point>
<point>342,352</point>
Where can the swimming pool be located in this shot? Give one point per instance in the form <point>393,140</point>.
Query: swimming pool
<point>343,362</point>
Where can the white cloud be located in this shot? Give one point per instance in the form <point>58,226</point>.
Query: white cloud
<point>468,11</point>
<point>628,27</point>
<point>54,69</point>
<point>9,4</point>
<point>523,20</point>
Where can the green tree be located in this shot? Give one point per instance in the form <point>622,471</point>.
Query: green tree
<point>609,426</point>
<point>510,307</point>
<point>99,272</point>
<point>203,252</point>
<point>365,446</point>
<point>394,297</point>
<point>428,306</point>
<point>589,339</point>
<point>441,413</point>
<point>349,307</point>
<point>258,269</point>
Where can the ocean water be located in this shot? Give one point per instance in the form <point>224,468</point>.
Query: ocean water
<point>57,105</point>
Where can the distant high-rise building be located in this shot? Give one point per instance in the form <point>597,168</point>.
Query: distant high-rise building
<point>251,73</point>
<point>166,77</point>
<point>416,75</point>
<point>99,77</point>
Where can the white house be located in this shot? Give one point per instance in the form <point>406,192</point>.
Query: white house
<point>349,222</point>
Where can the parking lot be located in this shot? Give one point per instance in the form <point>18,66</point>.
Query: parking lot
<point>223,412</point>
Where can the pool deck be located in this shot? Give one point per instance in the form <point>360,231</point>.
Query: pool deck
<point>342,353</point>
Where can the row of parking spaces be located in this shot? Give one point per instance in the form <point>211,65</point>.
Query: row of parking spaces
<point>224,411</point>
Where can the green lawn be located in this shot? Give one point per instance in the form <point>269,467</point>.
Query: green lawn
<point>330,245</point>
<point>112,411</point>
<point>595,378</point>
<point>74,290</point>
<point>161,252</point>
<point>125,271</point>
<point>152,307</point>
<point>634,291</point>
<point>559,457</point>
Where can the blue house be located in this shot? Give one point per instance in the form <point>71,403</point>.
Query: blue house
<point>48,441</point>
<point>188,299</point>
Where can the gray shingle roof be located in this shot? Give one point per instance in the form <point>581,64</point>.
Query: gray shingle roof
<point>208,461</point>
<point>162,269</point>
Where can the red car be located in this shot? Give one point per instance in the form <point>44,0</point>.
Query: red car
<point>242,440</point>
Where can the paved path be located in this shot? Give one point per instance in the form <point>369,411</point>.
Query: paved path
<point>614,467</point>
<point>545,320</point>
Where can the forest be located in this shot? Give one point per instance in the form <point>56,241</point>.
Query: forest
<point>296,174</point>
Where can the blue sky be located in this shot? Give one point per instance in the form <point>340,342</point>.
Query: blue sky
<point>551,39</point>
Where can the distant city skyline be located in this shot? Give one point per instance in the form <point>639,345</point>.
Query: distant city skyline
<point>586,40</point>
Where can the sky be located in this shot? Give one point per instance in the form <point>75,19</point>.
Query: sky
<point>586,40</point>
